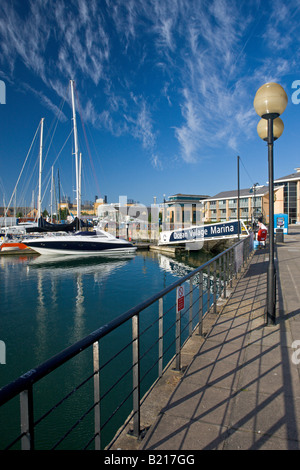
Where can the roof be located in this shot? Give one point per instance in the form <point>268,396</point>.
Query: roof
<point>188,196</point>
<point>259,191</point>
<point>293,176</point>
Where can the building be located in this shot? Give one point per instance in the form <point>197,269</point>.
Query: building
<point>253,203</point>
<point>291,196</point>
<point>87,208</point>
<point>182,210</point>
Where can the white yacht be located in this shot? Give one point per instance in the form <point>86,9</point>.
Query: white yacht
<point>93,243</point>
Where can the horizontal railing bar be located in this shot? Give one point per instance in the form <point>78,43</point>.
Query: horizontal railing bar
<point>90,441</point>
<point>148,371</point>
<point>114,357</point>
<point>152,345</point>
<point>79,420</point>
<point>17,439</point>
<point>172,325</point>
<point>169,309</point>
<point>119,432</point>
<point>66,397</point>
<point>148,327</point>
<point>116,409</point>
<point>116,383</point>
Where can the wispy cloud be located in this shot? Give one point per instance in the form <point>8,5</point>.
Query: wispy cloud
<point>283,17</point>
<point>23,38</point>
<point>48,103</point>
<point>140,125</point>
<point>215,82</point>
<point>198,57</point>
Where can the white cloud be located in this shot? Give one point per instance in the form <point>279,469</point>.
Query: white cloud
<point>206,58</point>
<point>140,123</point>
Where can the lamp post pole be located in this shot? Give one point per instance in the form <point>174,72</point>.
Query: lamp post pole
<point>270,102</point>
<point>271,276</point>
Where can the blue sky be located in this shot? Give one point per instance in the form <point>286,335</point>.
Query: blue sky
<point>165,94</point>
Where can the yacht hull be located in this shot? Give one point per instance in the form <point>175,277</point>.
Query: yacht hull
<point>71,245</point>
<point>103,252</point>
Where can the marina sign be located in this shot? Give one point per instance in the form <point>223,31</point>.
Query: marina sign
<point>203,233</point>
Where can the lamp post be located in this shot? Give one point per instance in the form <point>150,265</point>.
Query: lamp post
<point>270,102</point>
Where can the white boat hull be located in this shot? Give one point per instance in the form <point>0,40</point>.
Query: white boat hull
<point>97,243</point>
<point>51,251</point>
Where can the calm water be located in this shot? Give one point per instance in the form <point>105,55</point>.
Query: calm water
<point>48,305</point>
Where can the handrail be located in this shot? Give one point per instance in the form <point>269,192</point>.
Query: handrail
<point>29,378</point>
<point>26,381</point>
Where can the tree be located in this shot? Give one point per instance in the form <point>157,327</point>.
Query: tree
<point>63,212</point>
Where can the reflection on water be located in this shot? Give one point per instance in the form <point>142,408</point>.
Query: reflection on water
<point>78,264</point>
<point>49,302</point>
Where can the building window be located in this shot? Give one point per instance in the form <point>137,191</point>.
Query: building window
<point>290,200</point>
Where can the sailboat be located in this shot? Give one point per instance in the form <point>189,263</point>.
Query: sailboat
<point>83,243</point>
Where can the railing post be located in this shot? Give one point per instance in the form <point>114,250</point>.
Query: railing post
<point>160,336</point>
<point>231,266</point>
<point>178,337</point>
<point>224,258</point>
<point>191,308</point>
<point>220,277</point>
<point>27,423</point>
<point>136,375</point>
<point>200,302</point>
<point>208,288</point>
<point>97,416</point>
<point>228,254</point>
<point>215,287</point>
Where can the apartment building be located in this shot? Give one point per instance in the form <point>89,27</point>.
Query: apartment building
<point>253,203</point>
<point>182,210</point>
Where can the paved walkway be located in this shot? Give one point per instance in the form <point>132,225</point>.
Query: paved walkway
<point>242,388</point>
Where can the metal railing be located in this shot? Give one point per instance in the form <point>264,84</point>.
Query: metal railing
<point>206,284</point>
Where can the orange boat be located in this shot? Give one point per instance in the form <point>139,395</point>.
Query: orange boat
<point>11,246</point>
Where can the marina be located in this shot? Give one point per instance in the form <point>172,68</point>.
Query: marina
<point>149,228</point>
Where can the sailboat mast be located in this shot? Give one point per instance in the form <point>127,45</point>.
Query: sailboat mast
<point>51,205</point>
<point>58,183</point>
<point>75,149</point>
<point>40,171</point>
<point>79,180</point>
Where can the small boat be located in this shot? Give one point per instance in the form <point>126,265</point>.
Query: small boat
<point>93,243</point>
<point>12,246</point>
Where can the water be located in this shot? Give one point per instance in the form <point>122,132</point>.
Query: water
<point>47,305</point>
